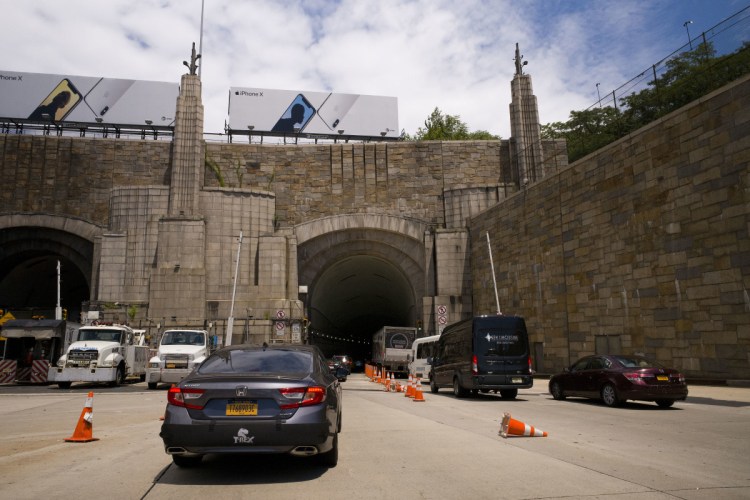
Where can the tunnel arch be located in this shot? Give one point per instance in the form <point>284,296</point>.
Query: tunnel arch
<point>362,272</point>
<point>30,247</point>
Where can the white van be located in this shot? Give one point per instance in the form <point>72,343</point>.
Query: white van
<point>421,349</point>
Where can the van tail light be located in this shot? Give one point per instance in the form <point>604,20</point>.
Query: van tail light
<point>302,396</point>
<point>531,366</point>
<point>185,397</point>
<point>474,365</point>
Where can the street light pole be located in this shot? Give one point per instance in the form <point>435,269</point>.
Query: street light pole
<point>599,95</point>
<point>230,320</point>
<point>690,41</point>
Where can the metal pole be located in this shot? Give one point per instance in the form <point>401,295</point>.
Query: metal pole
<point>200,43</point>
<point>494,281</point>
<point>690,41</point>
<point>230,320</point>
<point>58,309</point>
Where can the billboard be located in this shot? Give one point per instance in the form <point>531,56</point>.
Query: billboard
<point>42,97</point>
<point>289,112</point>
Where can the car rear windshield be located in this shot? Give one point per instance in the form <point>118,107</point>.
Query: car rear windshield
<point>637,362</point>
<point>500,342</point>
<point>260,361</point>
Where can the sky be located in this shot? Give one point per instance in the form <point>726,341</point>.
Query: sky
<point>456,56</point>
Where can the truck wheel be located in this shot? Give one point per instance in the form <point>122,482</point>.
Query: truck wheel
<point>64,385</point>
<point>152,385</point>
<point>119,376</point>
<point>508,393</point>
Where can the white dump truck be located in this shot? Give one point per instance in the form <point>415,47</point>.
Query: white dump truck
<point>102,353</point>
<point>180,350</point>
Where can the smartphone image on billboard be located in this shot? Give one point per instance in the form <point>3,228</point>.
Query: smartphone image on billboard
<point>297,115</point>
<point>105,94</point>
<point>335,107</point>
<point>56,106</point>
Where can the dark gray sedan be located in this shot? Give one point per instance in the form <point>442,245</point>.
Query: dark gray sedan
<point>278,398</point>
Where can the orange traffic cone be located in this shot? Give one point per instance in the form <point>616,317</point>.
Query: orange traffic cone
<point>514,427</point>
<point>409,388</point>
<point>387,382</point>
<point>418,391</point>
<point>85,429</point>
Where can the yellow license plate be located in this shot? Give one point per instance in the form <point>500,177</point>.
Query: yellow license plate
<point>662,378</point>
<point>242,409</point>
<point>171,365</point>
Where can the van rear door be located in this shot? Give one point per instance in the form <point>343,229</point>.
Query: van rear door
<point>502,353</point>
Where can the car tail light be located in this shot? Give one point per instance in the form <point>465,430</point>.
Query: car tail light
<point>183,397</point>
<point>302,396</point>
<point>474,365</point>
<point>678,377</point>
<point>531,366</point>
<point>636,377</point>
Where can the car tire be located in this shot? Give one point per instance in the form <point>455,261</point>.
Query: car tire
<point>340,424</point>
<point>64,385</point>
<point>664,403</point>
<point>556,391</point>
<point>609,395</point>
<point>152,385</point>
<point>508,393</point>
<point>458,390</point>
<point>330,458</point>
<point>186,461</point>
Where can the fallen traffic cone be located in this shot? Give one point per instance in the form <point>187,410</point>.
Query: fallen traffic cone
<point>514,427</point>
<point>85,429</point>
<point>418,396</point>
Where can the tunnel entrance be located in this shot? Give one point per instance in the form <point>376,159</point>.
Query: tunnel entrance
<point>358,281</point>
<point>28,272</point>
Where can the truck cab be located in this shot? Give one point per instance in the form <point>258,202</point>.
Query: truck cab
<point>101,353</point>
<point>180,350</point>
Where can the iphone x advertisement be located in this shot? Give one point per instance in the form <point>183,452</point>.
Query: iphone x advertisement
<point>290,112</point>
<point>38,97</point>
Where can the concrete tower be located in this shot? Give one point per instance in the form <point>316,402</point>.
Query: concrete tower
<point>526,144</point>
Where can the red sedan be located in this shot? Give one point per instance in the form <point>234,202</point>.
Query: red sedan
<point>617,378</point>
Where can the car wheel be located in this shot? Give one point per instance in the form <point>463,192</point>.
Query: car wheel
<point>433,386</point>
<point>186,461</point>
<point>64,385</point>
<point>340,424</point>
<point>508,393</point>
<point>458,391</point>
<point>609,395</point>
<point>330,458</point>
<point>556,391</point>
<point>664,403</point>
<point>152,385</point>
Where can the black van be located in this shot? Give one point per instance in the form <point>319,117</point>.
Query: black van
<point>485,353</point>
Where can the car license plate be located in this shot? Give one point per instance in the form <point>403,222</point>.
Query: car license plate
<point>516,380</point>
<point>662,378</point>
<point>242,409</point>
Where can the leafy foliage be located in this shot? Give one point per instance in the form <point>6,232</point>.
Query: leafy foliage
<point>687,77</point>
<point>440,127</point>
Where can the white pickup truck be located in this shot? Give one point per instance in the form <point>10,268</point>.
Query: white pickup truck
<point>179,352</point>
<point>101,353</point>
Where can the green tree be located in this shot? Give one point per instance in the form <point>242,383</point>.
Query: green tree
<point>440,127</point>
<point>688,76</point>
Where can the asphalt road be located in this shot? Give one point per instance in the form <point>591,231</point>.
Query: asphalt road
<point>391,447</point>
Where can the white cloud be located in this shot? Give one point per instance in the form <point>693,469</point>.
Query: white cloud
<point>457,56</point>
